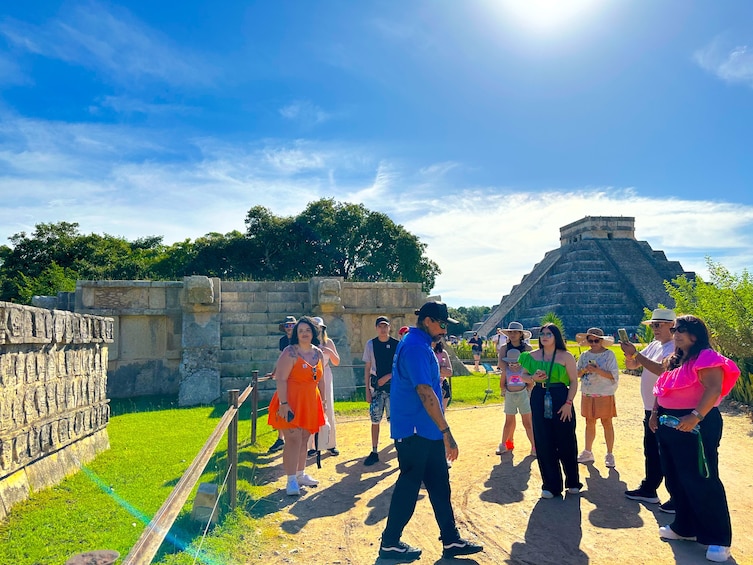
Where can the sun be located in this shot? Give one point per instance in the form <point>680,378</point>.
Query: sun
<point>548,16</point>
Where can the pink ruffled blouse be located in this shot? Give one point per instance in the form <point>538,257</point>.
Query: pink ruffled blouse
<point>681,388</point>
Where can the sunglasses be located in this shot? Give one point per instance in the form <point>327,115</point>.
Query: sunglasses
<point>289,325</point>
<point>681,329</point>
<point>442,325</point>
<point>313,371</point>
<point>593,341</point>
<point>656,325</point>
<point>546,334</point>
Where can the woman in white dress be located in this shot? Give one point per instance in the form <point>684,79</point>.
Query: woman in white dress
<point>331,357</point>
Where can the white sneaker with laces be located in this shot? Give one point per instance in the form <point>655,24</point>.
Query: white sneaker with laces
<point>609,460</point>
<point>585,457</point>
<point>665,532</point>
<point>293,489</point>
<point>573,490</point>
<point>546,494</point>
<point>306,480</point>
<point>718,553</point>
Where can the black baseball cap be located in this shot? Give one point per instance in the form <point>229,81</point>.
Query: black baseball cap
<point>382,320</point>
<point>436,310</point>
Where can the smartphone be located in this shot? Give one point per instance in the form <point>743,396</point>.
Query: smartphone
<point>623,335</point>
<point>291,415</point>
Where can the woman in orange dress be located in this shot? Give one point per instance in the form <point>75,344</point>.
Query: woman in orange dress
<point>296,407</point>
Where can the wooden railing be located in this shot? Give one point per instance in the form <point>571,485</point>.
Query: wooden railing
<point>154,534</point>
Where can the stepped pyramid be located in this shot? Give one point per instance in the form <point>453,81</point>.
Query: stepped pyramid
<point>600,276</point>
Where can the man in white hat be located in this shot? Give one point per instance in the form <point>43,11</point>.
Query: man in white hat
<point>651,358</point>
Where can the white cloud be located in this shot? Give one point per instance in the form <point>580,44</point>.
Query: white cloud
<point>119,180</point>
<point>110,41</point>
<point>305,112</point>
<point>730,62</point>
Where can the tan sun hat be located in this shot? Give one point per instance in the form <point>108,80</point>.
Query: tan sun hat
<point>661,315</point>
<point>582,338</point>
<point>516,327</point>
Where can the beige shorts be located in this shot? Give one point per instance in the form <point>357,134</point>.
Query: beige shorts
<point>595,407</point>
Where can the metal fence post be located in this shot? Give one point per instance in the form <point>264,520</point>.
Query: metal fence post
<point>254,404</point>
<point>232,450</point>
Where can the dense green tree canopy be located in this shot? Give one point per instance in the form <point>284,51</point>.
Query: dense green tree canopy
<point>327,239</point>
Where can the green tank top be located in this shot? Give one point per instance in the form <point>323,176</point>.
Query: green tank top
<point>559,371</point>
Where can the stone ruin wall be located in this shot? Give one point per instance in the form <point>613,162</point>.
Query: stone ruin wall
<point>53,405</point>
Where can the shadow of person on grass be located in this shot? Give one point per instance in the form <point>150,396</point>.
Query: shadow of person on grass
<point>508,482</point>
<point>339,497</point>
<point>553,534</point>
<point>607,494</point>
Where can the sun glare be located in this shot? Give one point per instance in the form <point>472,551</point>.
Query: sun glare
<point>548,16</point>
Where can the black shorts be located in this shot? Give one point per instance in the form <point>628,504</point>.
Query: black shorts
<point>445,389</point>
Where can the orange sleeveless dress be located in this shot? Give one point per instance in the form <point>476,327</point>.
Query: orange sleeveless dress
<point>303,399</point>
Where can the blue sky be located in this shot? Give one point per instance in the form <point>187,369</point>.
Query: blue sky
<point>482,126</point>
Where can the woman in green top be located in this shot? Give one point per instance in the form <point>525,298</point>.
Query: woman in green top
<point>552,370</point>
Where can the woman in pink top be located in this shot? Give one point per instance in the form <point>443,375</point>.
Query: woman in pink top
<point>688,426</point>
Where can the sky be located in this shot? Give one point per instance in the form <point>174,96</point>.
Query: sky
<point>482,126</point>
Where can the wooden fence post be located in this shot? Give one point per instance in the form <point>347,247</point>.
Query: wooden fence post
<point>254,404</point>
<point>232,450</point>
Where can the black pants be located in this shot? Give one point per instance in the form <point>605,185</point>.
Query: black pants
<point>420,459</point>
<point>701,504</point>
<point>654,473</point>
<point>555,441</point>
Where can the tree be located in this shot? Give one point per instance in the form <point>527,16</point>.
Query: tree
<point>552,318</point>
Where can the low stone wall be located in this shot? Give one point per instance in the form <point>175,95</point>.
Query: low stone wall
<point>53,403</point>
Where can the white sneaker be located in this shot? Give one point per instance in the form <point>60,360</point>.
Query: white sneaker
<point>293,489</point>
<point>718,553</point>
<point>609,460</point>
<point>546,494</point>
<point>585,457</point>
<point>306,480</point>
<point>573,490</point>
<point>665,532</point>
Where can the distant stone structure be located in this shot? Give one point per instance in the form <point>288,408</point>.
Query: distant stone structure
<point>600,276</point>
<point>53,405</point>
<point>200,337</point>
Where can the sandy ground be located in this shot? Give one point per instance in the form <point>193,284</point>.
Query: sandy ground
<point>496,499</point>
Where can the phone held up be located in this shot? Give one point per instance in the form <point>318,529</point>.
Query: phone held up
<point>623,334</point>
<point>291,415</point>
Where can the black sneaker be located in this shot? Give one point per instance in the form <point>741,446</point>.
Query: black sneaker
<point>277,445</point>
<point>371,459</point>
<point>311,452</point>
<point>668,507</point>
<point>461,547</point>
<point>642,495</point>
<point>400,551</point>
<point>334,451</point>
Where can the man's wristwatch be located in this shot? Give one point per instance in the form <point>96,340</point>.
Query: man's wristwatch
<point>446,430</point>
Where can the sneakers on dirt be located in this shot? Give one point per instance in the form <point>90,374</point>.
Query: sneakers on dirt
<point>668,507</point>
<point>306,480</point>
<point>399,551</point>
<point>460,547</point>
<point>718,553</point>
<point>371,459</point>
<point>585,457</point>
<point>609,460</point>
<point>642,495</point>
<point>666,532</point>
<point>293,489</point>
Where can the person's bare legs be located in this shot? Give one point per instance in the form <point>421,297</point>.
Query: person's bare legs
<point>509,430</point>
<point>375,437</point>
<point>303,450</point>
<point>590,433</point>
<point>608,433</point>
<point>292,450</point>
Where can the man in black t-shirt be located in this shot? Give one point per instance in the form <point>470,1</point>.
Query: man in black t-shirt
<point>378,355</point>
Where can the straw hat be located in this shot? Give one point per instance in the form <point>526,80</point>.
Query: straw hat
<point>516,327</point>
<point>582,339</point>
<point>661,315</point>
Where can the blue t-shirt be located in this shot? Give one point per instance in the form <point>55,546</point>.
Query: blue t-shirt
<point>415,364</point>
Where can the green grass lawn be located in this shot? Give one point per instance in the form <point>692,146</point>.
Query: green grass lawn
<point>108,503</point>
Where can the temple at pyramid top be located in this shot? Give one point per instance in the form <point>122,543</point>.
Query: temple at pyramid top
<point>600,276</point>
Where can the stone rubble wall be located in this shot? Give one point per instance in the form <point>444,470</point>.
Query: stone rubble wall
<point>53,403</point>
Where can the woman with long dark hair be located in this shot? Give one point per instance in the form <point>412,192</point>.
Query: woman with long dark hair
<point>688,427</point>
<point>551,369</point>
<point>296,407</point>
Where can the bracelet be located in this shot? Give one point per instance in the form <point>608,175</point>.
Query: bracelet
<point>283,403</point>
<point>697,414</point>
<point>446,430</point>
<point>568,401</point>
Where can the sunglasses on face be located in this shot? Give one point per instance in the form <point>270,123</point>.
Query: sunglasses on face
<point>289,326</point>
<point>442,325</point>
<point>656,325</point>
<point>681,329</point>
<point>593,341</point>
<point>546,334</point>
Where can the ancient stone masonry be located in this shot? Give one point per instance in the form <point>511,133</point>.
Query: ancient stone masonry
<point>53,379</point>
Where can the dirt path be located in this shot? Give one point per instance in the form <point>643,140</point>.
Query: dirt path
<point>496,500</point>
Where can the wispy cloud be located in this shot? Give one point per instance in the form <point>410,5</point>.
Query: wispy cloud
<point>305,112</point>
<point>731,62</point>
<point>118,180</point>
<point>113,43</point>
<point>10,72</point>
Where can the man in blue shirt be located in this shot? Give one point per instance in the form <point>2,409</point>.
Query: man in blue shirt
<point>423,439</point>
